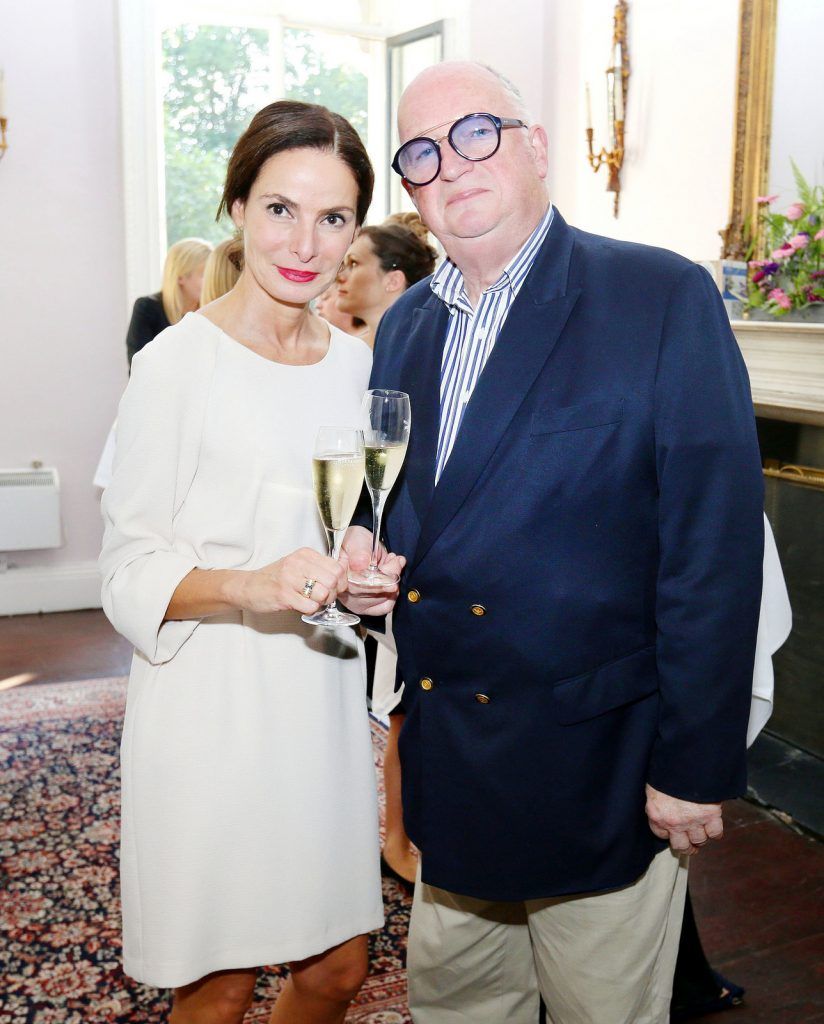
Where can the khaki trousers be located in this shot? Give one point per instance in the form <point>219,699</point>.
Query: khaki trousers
<point>607,958</point>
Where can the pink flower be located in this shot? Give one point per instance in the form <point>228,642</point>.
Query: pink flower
<point>819,235</point>
<point>794,212</point>
<point>780,298</point>
<point>799,241</point>
<point>758,263</point>
<point>782,253</point>
<point>765,200</point>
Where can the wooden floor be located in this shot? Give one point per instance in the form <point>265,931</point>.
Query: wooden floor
<point>61,646</point>
<point>757,894</point>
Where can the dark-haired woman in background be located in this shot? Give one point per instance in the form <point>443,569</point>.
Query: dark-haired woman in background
<point>249,832</point>
<point>326,305</point>
<point>381,264</point>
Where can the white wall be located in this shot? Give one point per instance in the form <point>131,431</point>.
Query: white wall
<point>679,128</point>
<point>62,281</point>
<point>510,37</point>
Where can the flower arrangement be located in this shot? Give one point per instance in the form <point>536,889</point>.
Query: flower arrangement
<point>792,275</point>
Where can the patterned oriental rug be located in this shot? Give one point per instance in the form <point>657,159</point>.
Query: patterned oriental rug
<point>59,901</point>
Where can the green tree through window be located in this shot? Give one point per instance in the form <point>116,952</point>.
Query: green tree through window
<point>310,75</point>
<point>216,77</point>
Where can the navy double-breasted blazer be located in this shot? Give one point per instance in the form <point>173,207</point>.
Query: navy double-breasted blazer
<point>579,610</point>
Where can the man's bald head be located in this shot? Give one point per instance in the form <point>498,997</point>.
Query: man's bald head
<point>481,210</point>
<point>472,76</point>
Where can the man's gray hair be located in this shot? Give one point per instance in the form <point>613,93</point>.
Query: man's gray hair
<point>510,88</point>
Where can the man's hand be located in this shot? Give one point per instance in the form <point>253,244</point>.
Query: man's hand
<point>356,552</point>
<point>686,825</point>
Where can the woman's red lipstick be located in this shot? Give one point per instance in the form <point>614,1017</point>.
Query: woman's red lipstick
<point>299,276</point>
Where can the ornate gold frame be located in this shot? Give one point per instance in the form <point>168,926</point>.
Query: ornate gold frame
<point>753,122</point>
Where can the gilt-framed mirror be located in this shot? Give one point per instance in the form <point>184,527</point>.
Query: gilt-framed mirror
<point>780,93</point>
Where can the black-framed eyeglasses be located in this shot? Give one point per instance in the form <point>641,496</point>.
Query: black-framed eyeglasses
<point>474,137</point>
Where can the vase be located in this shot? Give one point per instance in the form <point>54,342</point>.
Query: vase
<point>812,314</point>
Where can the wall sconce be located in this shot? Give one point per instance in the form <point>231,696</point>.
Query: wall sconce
<point>3,119</point>
<point>617,85</point>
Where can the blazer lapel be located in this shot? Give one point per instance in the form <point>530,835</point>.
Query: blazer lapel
<point>530,333</point>
<point>421,380</point>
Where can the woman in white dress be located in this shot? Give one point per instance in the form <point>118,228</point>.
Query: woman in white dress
<point>250,831</point>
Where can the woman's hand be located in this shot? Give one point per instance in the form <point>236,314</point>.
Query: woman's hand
<point>280,586</point>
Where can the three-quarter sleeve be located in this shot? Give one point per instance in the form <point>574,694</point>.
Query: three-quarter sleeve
<point>159,429</point>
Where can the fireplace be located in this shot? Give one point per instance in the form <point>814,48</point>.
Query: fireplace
<point>793,459</point>
<point>786,366</point>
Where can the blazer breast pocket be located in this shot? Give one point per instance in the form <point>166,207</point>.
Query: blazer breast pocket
<point>601,413</point>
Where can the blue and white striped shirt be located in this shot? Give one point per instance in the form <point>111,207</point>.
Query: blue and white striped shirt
<point>472,333</point>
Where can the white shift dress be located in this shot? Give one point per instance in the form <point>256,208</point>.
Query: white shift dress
<point>250,823</point>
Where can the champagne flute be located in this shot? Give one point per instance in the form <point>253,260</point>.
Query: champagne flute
<point>337,473</point>
<point>386,419</point>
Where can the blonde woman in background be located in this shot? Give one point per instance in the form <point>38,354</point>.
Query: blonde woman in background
<point>222,269</point>
<point>180,294</point>
<point>411,220</point>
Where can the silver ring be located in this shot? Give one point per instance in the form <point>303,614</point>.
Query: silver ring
<point>308,587</point>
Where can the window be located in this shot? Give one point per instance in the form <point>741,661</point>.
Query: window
<point>214,79</point>
<point>406,56</point>
<point>194,71</point>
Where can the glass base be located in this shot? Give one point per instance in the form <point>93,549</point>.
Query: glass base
<point>331,618</point>
<point>373,579</point>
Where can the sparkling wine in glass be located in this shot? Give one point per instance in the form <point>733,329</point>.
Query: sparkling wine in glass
<point>386,418</point>
<point>337,473</point>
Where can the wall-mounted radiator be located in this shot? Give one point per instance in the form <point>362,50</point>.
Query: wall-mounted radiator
<point>29,509</point>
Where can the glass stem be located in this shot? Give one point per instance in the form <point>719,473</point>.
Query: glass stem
<point>378,501</point>
<point>333,539</point>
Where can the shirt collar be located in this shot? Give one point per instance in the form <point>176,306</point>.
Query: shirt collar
<point>448,283</point>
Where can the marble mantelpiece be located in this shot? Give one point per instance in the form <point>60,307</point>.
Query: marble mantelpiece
<point>786,366</point>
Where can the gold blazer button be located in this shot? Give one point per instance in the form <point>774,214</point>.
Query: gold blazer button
<point>477,609</point>
<point>413,596</point>
<point>426,683</point>
<point>481,698</point>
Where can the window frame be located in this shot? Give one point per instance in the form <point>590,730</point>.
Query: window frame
<point>435,29</point>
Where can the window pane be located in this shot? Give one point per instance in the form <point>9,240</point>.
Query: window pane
<point>323,67</point>
<point>215,78</point>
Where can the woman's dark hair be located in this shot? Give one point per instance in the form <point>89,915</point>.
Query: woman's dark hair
<point>288,124</point>
<point>402,246</point>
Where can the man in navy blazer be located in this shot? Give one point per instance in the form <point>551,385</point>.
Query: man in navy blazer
<point>581,514</point>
